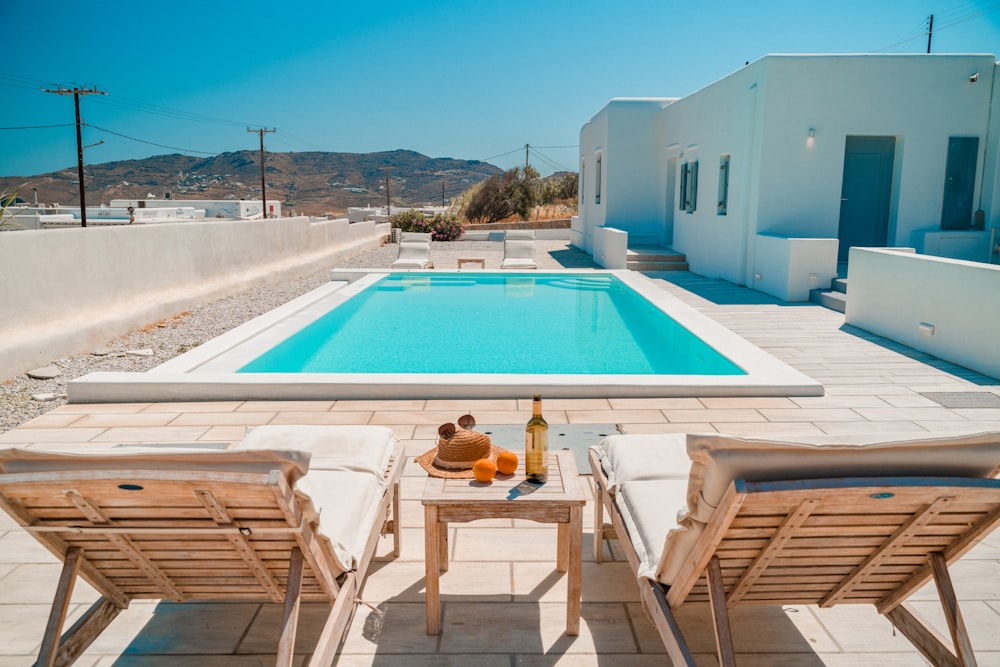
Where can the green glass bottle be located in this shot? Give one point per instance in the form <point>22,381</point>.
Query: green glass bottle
<point>536,445</point>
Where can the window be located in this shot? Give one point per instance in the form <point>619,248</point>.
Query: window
<point>597,181</point>
<point>689,187</point>
<point>723,185</point>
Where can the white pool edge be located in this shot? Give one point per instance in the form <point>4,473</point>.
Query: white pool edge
<point>207,373</point>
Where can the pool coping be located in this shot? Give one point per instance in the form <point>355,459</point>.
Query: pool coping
<point>206,373</point>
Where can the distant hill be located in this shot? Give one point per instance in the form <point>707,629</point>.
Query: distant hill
<point>316,183</point>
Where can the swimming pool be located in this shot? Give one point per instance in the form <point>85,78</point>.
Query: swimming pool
<point>543,323</point>
<point>227,367</point>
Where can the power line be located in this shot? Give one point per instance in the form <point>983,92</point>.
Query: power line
<point>947,19</point>
<point>151,143</point>
<point>36,127</point>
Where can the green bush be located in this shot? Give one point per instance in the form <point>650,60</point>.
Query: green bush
<point>503,195</point>
<point>441,227</point>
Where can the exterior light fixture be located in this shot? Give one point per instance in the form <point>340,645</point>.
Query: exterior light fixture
<point>812,132</point>
<point>973,78</point>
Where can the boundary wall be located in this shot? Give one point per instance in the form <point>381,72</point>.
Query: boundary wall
<point>944,307</point>
<point>70,291</point>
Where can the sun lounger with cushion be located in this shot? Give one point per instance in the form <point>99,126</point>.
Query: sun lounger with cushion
<point>414,251</point>
<point>291,514</point>
<point>519,249</point>
<point>728,521</point>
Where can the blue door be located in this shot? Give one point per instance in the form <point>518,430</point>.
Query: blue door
<point>959,182</point>
<point>866,193</point>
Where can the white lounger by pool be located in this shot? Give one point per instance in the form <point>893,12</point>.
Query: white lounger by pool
<point>293,513</point>
<point>728,521</point>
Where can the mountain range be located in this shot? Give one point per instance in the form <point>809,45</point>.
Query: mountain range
<point>315,183</point>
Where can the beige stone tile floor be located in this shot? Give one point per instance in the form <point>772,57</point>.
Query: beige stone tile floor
<point>502,600</point>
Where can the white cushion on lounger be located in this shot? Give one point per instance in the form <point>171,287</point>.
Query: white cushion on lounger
<point>359,448</point>
<point>640,457</point>
<point>293,464</point>
<point>649,510</point>
<point>717,460</point>
<point>346,502</point>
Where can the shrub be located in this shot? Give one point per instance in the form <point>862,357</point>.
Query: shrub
<point>503,195</point>
<point>444,227</point>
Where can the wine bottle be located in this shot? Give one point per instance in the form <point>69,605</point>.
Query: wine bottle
<point>536,445</point>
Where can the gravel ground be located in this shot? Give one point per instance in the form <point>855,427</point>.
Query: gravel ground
<point>173,336</point>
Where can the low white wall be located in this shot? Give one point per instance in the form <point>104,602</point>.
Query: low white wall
<point>611,248</point>
<point>945,307</point>
<point>970,245</point>
<point>69,291</point>
<point>788,267</point>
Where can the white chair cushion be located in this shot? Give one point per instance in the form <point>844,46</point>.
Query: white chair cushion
<point>293,464</point>
<point>641,457</point>
<point>717,460</point>
<point>649,510</point>
<point>357,448</point>
<point>345,503</point>
<point>518,250</point>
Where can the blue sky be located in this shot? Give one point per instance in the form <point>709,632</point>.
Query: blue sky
<point>462,78</point>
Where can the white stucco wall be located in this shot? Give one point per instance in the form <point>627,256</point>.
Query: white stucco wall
<point>782,181</point>
<point>720,119</point>
<point>68,291</point>
<point>945,307</point>
<point>919,99</point>
<point>627,134</point>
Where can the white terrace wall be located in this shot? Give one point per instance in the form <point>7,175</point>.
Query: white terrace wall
<point>921,100</point>
<point>70,291</point>
<point>782,181</point>
<point>944,307</point>
<point>626,136</point>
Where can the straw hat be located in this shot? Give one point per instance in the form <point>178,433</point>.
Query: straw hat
<point>457,450</point>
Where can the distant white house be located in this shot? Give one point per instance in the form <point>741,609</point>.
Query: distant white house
<point>766,177</point>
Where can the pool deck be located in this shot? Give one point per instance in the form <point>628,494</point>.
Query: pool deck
<point>503,601</point>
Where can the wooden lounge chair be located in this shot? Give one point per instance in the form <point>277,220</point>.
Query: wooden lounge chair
<point>519,249</point>
<point>292,514</point>
<point>771,523</point>
<point>414,251</point>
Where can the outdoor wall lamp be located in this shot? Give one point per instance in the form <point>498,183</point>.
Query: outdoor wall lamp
<point>974,78</point>
<point>812,132</point>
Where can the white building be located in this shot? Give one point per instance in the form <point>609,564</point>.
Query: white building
<point>766,177</point>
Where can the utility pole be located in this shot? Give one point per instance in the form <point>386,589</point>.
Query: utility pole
<point>526,160</point>
<point>76,92</point>
<point>263,182</point>
<point>442,192</point>
<point>930,32</point>
<point>388,201</point>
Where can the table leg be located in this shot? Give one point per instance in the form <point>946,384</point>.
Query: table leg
<point>443,546</point>
<point>574,579</point>
<point>562,547</point>
<point>432,569</point>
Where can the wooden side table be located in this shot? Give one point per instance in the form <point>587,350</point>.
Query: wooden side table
<point>472,260</point>
<point>560,500</point>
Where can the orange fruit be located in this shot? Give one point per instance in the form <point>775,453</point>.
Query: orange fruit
<point>484,470</point>
<point>506,462</point>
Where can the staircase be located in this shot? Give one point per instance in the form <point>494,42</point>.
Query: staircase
<point>655,258</point>
<point>834,298</point>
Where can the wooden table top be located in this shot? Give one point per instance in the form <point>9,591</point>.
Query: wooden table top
<point>563,487</point>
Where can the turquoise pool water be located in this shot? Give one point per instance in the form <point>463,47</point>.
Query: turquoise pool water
<point>495,323</point>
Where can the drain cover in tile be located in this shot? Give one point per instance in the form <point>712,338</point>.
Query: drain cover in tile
<point>576,437</point>
<point>964,399</point>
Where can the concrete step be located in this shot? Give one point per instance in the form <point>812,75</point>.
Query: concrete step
<point>655,258</point>
<point>830,299</point>
<point>646,265</point>
<point>634,256</point>
<point>839,285</point>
